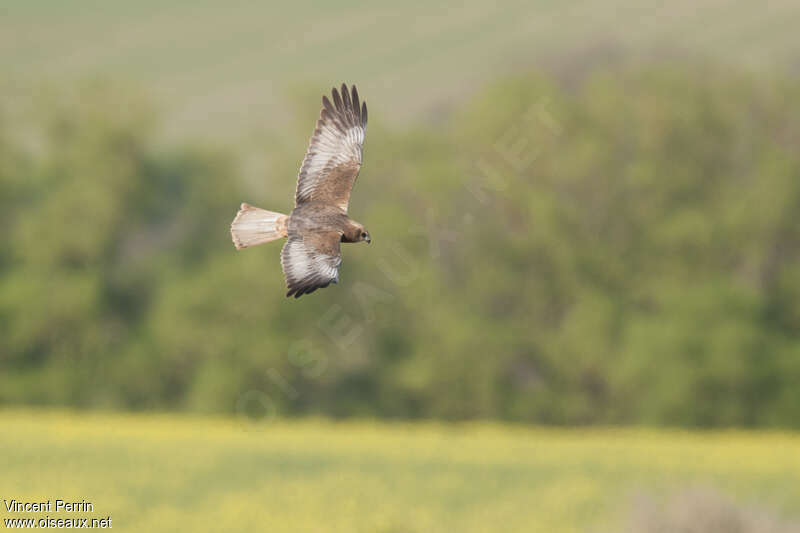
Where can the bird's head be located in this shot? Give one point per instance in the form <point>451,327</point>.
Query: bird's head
<point>365,235</point>
<point>355,232</point>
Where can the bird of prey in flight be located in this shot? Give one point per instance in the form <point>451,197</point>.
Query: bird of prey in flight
<point>318,224</point>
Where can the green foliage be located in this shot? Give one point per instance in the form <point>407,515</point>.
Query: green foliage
<point>619,249</point>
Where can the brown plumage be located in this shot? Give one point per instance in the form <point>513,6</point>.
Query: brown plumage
<point>319,223</point>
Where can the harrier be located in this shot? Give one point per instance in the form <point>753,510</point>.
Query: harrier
<point>318,224</point>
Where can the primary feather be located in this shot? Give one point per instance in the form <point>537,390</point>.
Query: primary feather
<point>333,158</point>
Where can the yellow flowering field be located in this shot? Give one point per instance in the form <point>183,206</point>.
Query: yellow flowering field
<point>183,473</point>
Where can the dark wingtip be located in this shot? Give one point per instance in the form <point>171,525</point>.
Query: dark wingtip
<point>326,103</point>
<point>348,105</point>
<point>337,100</point>
<point>356,103</point>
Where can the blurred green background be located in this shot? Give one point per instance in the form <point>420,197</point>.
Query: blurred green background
<point>583,213</point>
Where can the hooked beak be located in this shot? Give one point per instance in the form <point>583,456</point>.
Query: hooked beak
<point>369,240</point>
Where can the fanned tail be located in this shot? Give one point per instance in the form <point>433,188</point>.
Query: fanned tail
<point>253,226</point>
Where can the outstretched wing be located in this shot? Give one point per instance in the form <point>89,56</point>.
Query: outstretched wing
<point>333,159</point>
<point>311,261</point>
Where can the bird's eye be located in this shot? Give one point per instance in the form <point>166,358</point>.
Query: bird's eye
<point>363,234</point>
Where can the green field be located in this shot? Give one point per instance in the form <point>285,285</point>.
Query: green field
<point>228,69</point>
<point>167,473</point>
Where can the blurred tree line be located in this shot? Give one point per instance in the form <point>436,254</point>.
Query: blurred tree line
<point>616,247</point>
